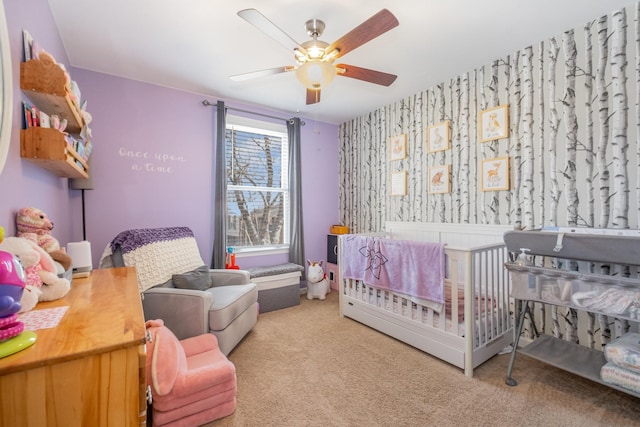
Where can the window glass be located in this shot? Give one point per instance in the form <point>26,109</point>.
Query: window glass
<point>257,181</point>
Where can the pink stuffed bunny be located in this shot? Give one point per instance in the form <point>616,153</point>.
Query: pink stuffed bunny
<point>42,282</point>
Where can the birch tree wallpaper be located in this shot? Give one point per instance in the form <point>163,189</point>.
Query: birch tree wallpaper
<point>573,110</point>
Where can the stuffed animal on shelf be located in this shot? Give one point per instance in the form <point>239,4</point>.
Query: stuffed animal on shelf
<point>35,225</point>
<point>317,282</point>
<point>42,281</point>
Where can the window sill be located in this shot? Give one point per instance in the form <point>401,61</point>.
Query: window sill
<point>249,252</point>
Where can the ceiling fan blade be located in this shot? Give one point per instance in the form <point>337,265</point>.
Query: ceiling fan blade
<point>262,73</point>
<point>378,24</point>
<point>258,20</point>
<point>371,76</point>
<point>313,96</point>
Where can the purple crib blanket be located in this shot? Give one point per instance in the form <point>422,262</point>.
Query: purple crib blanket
<point>409,267</point>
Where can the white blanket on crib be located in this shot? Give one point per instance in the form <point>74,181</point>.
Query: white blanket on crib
<point>411,268</point>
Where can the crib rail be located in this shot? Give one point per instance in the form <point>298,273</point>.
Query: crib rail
<point>489,289</point>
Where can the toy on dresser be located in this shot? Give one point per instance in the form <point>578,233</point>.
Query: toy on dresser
<point>35,225</point>
<point>12,278</point>
<point>13,338</point>
<point>42,281</point>
<point>317,283</point>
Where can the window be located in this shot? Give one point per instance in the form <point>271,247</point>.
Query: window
<point>257,184</point>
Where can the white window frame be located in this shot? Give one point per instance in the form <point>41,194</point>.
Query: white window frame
<point>274,129</point>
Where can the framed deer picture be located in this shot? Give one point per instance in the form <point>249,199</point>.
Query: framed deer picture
<point>439,179</point>
<point>494,174</point>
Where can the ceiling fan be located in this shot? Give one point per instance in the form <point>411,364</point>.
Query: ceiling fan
<point>315,58</point>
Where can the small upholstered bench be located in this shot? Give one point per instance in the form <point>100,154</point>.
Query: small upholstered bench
<point>278,285</point>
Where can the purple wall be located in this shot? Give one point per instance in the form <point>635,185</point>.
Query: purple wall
<point>23,183</point>
<point>152,163</point>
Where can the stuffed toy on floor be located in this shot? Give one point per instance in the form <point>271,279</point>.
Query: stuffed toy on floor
<point>42,281</point>
<point>317,282</point>
<point>35,225</point>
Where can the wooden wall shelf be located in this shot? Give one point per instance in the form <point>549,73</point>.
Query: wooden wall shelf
<point>48,148</point>
<point>45,84</point>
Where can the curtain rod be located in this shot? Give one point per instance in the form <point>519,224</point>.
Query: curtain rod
<point>206,103</point>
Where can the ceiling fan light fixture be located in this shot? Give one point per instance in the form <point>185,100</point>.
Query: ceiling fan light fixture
<point>315,58</point>
<point>315,74</point>
<point>331,55</point>
<point>315,52</point>
<point>300,57</point>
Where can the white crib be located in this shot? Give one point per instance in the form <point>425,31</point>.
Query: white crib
<point>477,292</point>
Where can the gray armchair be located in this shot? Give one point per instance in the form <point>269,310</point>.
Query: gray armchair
<point>178,288</point>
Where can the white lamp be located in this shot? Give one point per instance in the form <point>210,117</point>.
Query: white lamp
<point>80,253</point>
<point>316,74</point>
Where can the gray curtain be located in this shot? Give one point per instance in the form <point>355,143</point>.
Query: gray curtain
<point>220,193</point>
<point>296,237</point>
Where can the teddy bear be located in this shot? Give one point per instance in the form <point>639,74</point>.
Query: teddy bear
<point>35,225</point>
<point>42,282</point>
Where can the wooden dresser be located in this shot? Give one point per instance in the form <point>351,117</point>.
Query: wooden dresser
<point>90,369</point>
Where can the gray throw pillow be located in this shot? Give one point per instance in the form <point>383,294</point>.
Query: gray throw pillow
<point>198,279</point>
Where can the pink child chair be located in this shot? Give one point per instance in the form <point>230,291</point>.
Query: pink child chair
<point>192,382</point>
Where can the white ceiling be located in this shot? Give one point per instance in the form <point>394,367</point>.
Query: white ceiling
<point>195,45</point>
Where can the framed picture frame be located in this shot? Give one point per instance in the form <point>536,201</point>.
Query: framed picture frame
<point>494,174</point>
<point>438,137</point>
<point>439,182</point>
<point>493,123</point>
<point>399,183</point>
<point>398,147</point>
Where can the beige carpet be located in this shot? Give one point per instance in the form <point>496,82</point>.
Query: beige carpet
<point>307,366</point>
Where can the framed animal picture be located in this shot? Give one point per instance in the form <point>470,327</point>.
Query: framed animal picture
<point>494,174</point>
<point>493,123</point>
<point>439,179</point>
<point>438,137</point>
<point>398,147</point>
